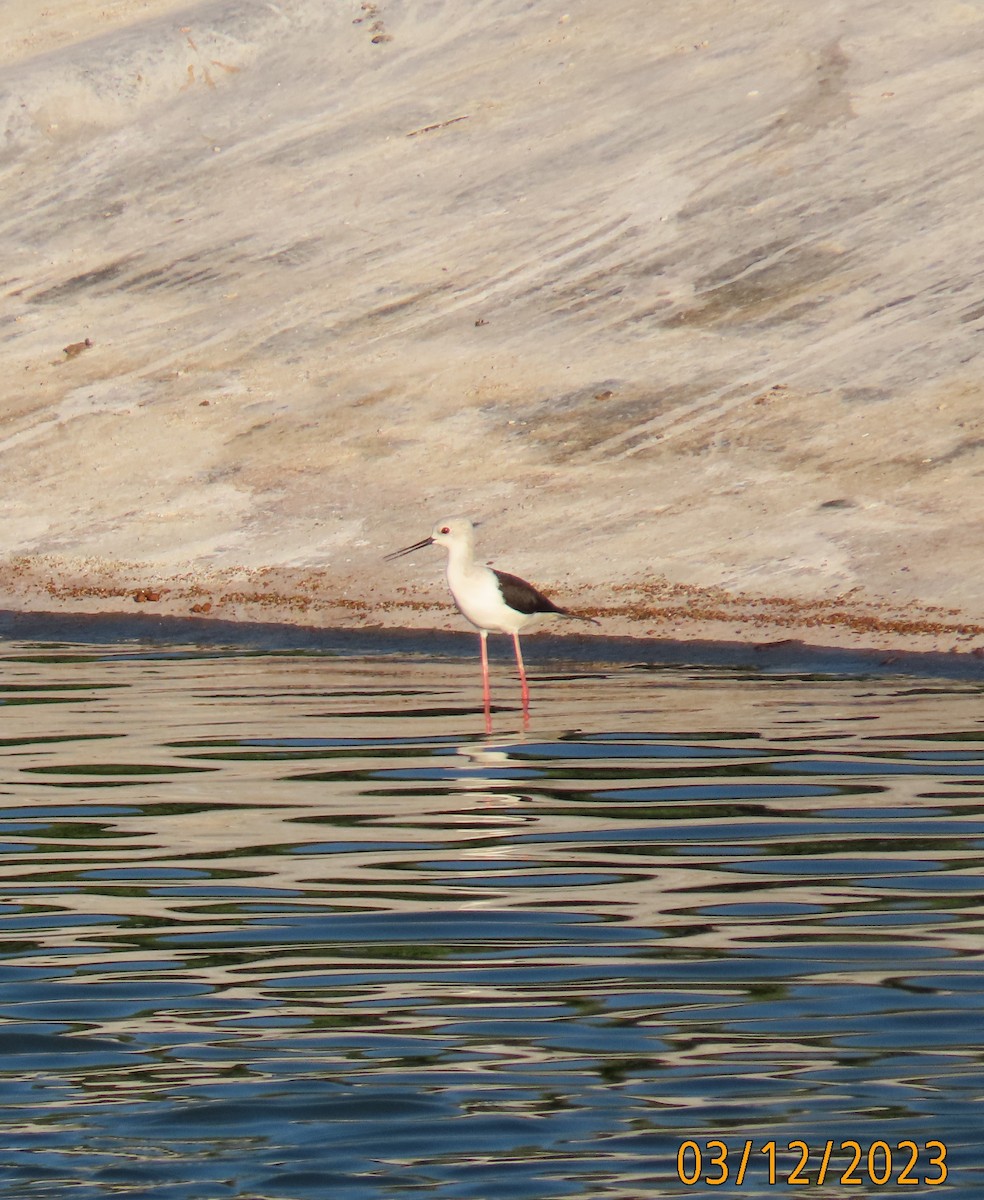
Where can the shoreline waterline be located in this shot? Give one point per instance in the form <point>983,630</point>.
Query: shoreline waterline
<point>785,654</point>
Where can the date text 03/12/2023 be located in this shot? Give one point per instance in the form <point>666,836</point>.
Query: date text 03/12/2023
<point>714,1162</point>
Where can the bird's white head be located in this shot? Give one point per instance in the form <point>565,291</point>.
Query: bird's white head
<point>456,534</point>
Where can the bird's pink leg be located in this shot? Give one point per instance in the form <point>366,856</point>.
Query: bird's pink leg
<point>486,689</point>
<point>524,686</point>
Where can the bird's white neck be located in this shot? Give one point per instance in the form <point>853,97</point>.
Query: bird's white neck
<point>461,552</point>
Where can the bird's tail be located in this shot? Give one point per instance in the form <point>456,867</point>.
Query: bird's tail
<point>565,612</point>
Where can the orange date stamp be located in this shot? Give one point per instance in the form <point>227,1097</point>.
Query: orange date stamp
<point>715,1162</point>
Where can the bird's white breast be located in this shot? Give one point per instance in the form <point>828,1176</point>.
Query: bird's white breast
<point>477,594</point>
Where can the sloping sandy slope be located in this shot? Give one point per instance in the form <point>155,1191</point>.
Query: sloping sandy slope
<point>682,300</point>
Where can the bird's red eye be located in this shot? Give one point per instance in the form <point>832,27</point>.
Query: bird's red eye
<point>445,529</point>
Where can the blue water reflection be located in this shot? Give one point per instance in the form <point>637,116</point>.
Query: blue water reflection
<point>325,938</point>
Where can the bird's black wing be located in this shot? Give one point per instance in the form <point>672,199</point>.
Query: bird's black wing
<point>523,596</point>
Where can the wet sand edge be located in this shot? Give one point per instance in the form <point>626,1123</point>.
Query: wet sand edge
<point>780,655</point>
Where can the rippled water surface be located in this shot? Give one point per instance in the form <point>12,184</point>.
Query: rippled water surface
<point>290,925</point>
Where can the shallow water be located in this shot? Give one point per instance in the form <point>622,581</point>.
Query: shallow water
<point>290,926</point>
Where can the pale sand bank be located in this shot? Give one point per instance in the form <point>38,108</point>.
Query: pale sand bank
<point>683,301</point>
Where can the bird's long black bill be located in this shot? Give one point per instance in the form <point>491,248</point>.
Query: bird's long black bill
<point>409,549</point>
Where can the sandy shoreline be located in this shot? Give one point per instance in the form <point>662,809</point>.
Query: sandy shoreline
<point>283,285</point>
<point>649,611</point>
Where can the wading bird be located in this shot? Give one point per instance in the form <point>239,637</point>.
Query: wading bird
<point>493,601</point>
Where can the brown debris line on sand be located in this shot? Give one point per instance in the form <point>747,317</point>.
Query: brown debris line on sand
<point>645,609</point>
<point>847,612</point>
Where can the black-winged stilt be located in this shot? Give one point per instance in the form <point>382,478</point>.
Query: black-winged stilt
<point>493,601</point>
